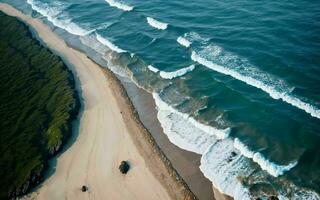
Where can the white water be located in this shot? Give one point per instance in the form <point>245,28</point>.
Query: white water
<point>265,164</point>
<point>205,129</point>
<point>225,162</point>
<point>119,5</point>
<point>178,73</point>
<point>109,44</point>
<point>183,41</point>
<point>270,89</point>
<point>51,12</point>
<point>190,135</point>
<point>156,24</point>
<point>224,167</point>
<point>153,69</point>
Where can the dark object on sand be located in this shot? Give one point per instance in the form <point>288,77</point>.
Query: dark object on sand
<point>84,188</point>
<point>269,198</point>
<point>124,167</point>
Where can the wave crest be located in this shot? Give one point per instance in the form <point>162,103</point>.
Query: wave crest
<point>269,89</point>
<point>109,44</point>
<point>153,69</point>
<point>156,24</point>
<point>265,164</point>
<point>178,73</point>
<point>119,5</point>
<point>183,41</point>
<point>51,13</point>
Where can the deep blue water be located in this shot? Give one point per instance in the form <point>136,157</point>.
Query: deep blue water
<point>243,87</point>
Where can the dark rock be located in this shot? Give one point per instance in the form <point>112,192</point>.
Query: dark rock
<point>84,188</point>
<point>273,198</point>
<point>233,154</point>
<point>124,167</point>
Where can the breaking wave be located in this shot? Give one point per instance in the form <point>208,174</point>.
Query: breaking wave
<point>225,162</point>
<point>119,5</point>
<point>185,131</point>
<point>153,69</point>
<point>183,41</point>
<point>265,164</point>
<point>254,78</point>
<point>156,24</point>
<point>109,44</point>
<point>174,74</point>
<point>51,13</point>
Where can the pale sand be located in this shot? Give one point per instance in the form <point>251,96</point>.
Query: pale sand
<point>106,137</point>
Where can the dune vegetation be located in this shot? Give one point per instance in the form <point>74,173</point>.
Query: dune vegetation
<point>38,103</point>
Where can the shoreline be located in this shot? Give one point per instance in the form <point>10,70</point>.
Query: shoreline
<point>185,162</point>
<point>158,179</point>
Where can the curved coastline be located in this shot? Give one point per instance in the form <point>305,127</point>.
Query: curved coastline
<point>150,161</point>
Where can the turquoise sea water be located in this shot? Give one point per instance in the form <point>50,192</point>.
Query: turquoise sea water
<point>235,81</point>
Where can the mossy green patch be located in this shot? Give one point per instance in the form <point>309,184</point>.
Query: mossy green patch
<point>38,101</point>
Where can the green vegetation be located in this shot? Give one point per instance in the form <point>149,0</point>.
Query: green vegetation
<point>38,101</point>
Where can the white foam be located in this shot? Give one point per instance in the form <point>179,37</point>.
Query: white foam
<point>174,74</point>
<point>195,37</point>
<point>265,164</point>
<point>305,195</point>
<point>109,44</point>
<point>51,13</point>
<point>224,160</point>
<point>270,89</point>
<point>153,69</point>
<point>184,130</point>
<point>183,41</point>
<point>119,5</point>
<point>225,168</point>
<point>156,24</point>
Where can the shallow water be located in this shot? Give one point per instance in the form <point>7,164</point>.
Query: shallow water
<point>235,81</point>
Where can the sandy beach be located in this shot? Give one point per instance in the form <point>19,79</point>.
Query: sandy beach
<point>109,132</point>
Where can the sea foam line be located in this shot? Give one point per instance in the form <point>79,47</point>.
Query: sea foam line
<point>313,111</point>
<point>186,133</point>
<point>153,69</point>
<point>183,41</point>
<point>223,167</point>
<point>178,73</point>
<point>66,24</point>
<point>265,164</point>
<point>219,133</point>
<point>119,5</point>
<point>156,24</point>
<point>109,44</point>
<point>223,159</point>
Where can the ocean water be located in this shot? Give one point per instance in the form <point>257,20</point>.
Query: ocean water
<point>235,81</point>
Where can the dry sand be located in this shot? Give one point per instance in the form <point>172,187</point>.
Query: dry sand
<point>109,132</point>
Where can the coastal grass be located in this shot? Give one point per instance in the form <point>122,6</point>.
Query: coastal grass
<point>38,102</point>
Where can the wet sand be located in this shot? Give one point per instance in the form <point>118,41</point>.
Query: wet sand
<point>185,162</point>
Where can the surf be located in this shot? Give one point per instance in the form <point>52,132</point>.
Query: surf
<point>109,44</point>
<point>157,24</point>
<point>269,89</point>
<point>178,73</point>
<point>52,13</point>
<point>183,41</point>
<point>119,5</point>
